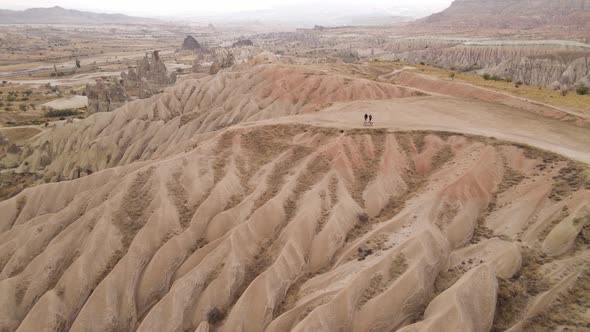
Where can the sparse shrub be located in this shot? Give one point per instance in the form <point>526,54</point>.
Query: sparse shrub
<point>582,90</point>
<point>215,316</point>
<point>564,92</point>
<point>29,92</point>
<point>23,107</point>
<point>7,109</point>
<point>363,218</point>
<point>422,63</point>
<point>496,78</point>
<point>11,98</point>
<point>60,113</point>
<point>13,148</point>
<point>179,70</point>
<point>452,76</point>
<point>509,79</point>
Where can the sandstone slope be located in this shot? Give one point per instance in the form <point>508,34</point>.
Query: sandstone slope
<point>256,200</point>
<point>292,227</point>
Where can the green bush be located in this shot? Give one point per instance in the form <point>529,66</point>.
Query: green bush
<point>486,76</point>
<point>582,90</point>
<point>60,113</point>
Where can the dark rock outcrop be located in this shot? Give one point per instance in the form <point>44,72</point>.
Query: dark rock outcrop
<point>191,44</point>
<point>243,43</point>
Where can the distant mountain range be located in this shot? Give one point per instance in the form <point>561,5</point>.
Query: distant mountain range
<point>59,15</point>
<point>513,14</point>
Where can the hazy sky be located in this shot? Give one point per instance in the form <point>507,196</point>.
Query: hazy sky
<point>209,7</point>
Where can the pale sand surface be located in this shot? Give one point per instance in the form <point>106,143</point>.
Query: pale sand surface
<point>68,103</point>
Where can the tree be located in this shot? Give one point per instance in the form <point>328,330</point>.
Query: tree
<point>452,76</point>
<point>78,63</point>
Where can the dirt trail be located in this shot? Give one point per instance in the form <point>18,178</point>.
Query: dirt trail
<point>459,116</point>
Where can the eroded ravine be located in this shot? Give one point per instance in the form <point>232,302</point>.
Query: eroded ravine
<point>292,227</point>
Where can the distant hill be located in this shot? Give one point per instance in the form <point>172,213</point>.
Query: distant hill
<point>59,15</point>
<point>513,14</point>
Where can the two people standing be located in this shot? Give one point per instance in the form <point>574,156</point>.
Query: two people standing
<point>368,117</point>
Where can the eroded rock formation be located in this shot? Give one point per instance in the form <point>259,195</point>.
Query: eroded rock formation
<point>534,64</point>
<point>152,69</point>
<point>105,96</point>
<point>223,58</point>
<point>544,71</point>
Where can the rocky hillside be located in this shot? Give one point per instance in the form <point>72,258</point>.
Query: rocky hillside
<point>59,15</point>
<point>298,227</point>
<point>513,13</point>
<point>541,64</point>
<point>160,126</point>
<point>257,200</point>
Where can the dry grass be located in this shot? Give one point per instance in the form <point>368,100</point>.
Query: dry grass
<point>536,93</point>
<point>131,215</point>
<point>19,134</point>
<point>514,294</point>
<point>376,287</point>
<point>570,309</point>
<point>11,184</point>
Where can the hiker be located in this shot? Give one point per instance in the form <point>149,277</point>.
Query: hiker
<point>366,116</point>
<point>370,118</point>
